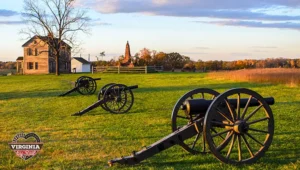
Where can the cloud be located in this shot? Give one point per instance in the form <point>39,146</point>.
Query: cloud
<point>256,24</point>
<point>231,9</point>
<point>252,13</point>
<point>12,22</point>
<point>7,13</point>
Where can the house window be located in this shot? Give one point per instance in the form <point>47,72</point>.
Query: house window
<point>66,66</point>
<point>29,51</point>
<point>36,52</point>
<point>30,65</point>
<point>36,65</point>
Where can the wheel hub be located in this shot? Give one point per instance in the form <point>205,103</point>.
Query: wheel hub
<point>240,127</point>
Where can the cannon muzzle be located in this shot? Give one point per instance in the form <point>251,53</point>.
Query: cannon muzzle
<point>200,106</point>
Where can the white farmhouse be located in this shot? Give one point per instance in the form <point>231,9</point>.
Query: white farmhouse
<point>79,64</point>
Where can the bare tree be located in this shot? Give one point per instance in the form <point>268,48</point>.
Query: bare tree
<point>57,21</point>
<point>102,54</point>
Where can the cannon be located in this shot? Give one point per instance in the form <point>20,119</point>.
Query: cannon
<point>84,85</point>
<point>115,98</point>
<point>236,126</point>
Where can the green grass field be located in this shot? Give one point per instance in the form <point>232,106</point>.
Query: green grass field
<point>30,104</point>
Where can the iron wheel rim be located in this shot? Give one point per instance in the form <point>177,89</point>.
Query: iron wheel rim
<point>246,142</point>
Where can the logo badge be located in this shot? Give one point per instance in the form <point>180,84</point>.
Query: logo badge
<point>26,145</point>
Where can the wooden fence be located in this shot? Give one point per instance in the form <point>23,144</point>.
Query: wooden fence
<point>119,69</point>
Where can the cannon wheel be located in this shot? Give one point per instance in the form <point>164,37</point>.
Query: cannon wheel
<point>180,119</point>
<point>76,82</point>
<point>86,85</point>
<point>119,99</point>
<point>101,93</point>
<point>251,129</point>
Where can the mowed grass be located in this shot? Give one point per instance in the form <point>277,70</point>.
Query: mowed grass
<point>30,104</point>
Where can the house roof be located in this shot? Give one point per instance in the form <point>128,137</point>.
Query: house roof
<point>43,38</point>
<point>19,58</point>
<point>82,60</point>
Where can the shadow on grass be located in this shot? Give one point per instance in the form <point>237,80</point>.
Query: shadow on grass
<point>33,94</point>
<point>53,93</point>
<point>226,86</point>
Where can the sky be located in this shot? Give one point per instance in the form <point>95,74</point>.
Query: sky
<point>201,29</point>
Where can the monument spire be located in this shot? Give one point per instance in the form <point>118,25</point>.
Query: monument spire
<point>127,58</point>
<point>127,52</point>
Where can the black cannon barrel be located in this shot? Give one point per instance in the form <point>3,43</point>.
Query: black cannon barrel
<point>197,106</point>
<point>127,88</point>
<point>133,87</point>
<point>97,78</point>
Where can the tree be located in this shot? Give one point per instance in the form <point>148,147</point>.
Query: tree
<point>102,54</point>
<point>159,59</point>
<point>145,54</point>
<point>175,60</point>
<point>56,20</point>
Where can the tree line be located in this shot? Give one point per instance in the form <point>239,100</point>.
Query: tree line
<point>8,65</point>
<point>174,60</point>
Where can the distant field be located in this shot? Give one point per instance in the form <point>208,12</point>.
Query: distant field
<point>290,77</point>
<point>30,104</point>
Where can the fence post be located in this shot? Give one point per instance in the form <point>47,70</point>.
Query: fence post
<point>118,69</point>
<point>146,70</point>
<point>92,69</point>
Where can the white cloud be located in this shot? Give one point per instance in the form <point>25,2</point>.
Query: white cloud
<point>252,13</point>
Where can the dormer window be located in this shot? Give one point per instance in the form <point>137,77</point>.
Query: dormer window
<point>36,52</point>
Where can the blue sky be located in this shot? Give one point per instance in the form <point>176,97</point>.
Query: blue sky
<point>201,29</point>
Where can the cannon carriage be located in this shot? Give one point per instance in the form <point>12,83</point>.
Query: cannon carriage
<point>236,126</point>
<point>84,85</point>
<point>115,98</point>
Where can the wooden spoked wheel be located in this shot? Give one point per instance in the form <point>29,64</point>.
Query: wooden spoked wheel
<point>101,93</point>
<point>250,129</point>
<point>180,118</point>
<point>86,85</point>
<point>119,98</point>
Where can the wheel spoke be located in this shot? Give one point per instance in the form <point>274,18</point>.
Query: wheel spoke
<point>228,137</point>
<point>259,120</point>
<point>239,147</point>
<point>220,123</point>
<point>248,146</point>
<point>220,133</point>
<point>254,139</point>
<point>246,107</point>
<point>251,114</point>
<point>217,132</point>
<point>230,109</point>
<point>196,139</point>
<point>223,115</point>
<point>231,146</point>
